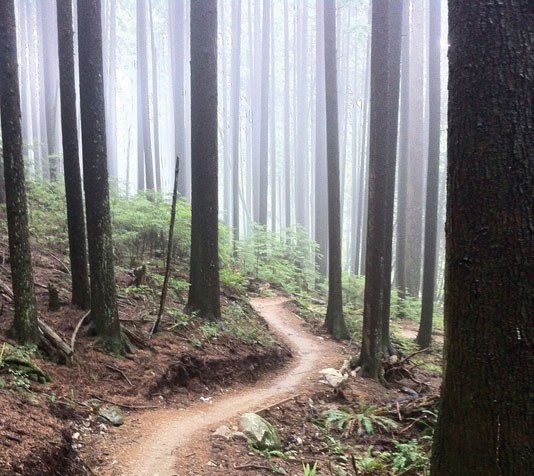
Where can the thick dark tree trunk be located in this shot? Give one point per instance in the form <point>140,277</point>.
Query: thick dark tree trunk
<point>486,417</point>
<point>335,322</point>
<point>393,79</point>
<point>24,328</point>
<point>424,335</point>
<point>71,158</point>
<point>104,314</point>
<point>204,273</point>
<point>379,168</point>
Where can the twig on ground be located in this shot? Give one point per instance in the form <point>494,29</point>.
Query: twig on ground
<point>76,329</point>
<point>121,372</point>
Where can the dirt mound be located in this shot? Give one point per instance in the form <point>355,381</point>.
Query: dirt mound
<point>243,364</point>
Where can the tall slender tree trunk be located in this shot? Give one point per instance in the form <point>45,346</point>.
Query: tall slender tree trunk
<point>104,315</point>
<point>145,164</point>
<point>287,123</point>
<point>177,47</point>
<point>71,158</point>
<point>416,152</point>
<point>402,180</point>
<point>24,328</point>
<point>393,79</point>
<point>321,187</point>
<point>155,101</point>
<point>236,89</point>
<point>264,115</point>
<point>204,270</point>
<point>424,335</point>
<point>335,322</point>
<point>486,414</point>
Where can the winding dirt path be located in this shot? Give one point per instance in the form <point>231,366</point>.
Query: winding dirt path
<point>157,443</point>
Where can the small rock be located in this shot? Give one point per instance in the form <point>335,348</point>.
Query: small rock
<point>239,435</point>
<point>75,436</point>
<point>112,413</point>
<point>223,432</point>
<point>259,432</point>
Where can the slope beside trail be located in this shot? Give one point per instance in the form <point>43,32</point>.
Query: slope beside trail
<point>167,442</point>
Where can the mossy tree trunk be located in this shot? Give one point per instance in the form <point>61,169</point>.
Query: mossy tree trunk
<point>204,270</point>
<point>486,419</point>
<point>104,316</point>
<point>71,160</point>
<point>335,321</point>
<point>24,329</point>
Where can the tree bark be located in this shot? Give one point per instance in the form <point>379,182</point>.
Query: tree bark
<point>370,357</point>
<point>335,322</point>
<point>204,271</point>
<point>486,416</point>
<point>424,336</point>
<point>24,328</point>
<point>71,158</point>
<point>104,315</point>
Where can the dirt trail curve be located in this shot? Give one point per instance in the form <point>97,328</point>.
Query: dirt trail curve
<point>154,443</point>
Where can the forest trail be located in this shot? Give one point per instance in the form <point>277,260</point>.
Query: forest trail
<point>167,442</point>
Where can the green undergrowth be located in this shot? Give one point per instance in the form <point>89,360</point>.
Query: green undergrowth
<point>353,433</point>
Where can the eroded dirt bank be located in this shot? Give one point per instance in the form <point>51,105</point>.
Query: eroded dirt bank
<point>168,442</point>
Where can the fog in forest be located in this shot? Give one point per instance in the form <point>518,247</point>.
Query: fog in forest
<point>271,110</point>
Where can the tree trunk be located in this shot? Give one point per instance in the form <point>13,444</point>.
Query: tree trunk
<point>104,316</point>
<point>388,199</point>
<point>204,271</point>
<point>24,328</point>
<point>264,115</point>
<point>177,47</point>
<point>71,158</point>
<point>145,173</point>
<point>424,336</point>
<point>155,99</point>
<point>287,123</point>
<point>321,187</point>
<point>370,357</point>
<point>335,322</point>
<point>486,416</point>
<point>236,89</point>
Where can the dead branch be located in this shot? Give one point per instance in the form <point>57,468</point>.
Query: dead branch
<point>77,328</point>
<point>64,267</point>
<point>121,372</point>
<point>169,250</point>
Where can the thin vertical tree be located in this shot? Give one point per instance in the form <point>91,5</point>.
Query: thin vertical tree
<point>321,186</point>
<point>71,158</point>
<point>24,329</point>
<point>145,165</point>
<point>236,89</point>
<point>335,322</point>
<point>264,114</point>
<point>104,315</point>
<point>424,336</point>
<point>204,269</point>
<point>486,413</point>
<point>177,51</point>
<point>287,136</point>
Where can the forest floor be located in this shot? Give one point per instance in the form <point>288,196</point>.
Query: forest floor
<point>179,386</point>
